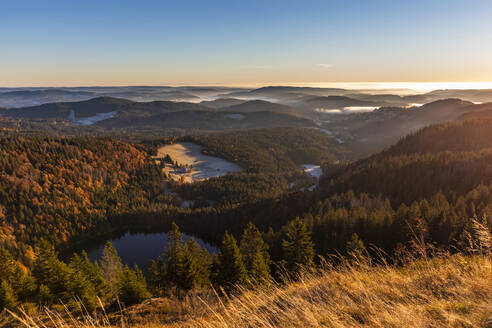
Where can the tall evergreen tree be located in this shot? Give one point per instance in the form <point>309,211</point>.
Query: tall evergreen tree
<point>229,269</point>
<point>21,281</point>
<point>197,262</point>
<point>132,286</point>
<point>91,271</point>
<point>157,276</point>
<point>175,257</point>
<point>297,247</point>
<point>81,290</point>
<point>49,270</point>
<point>8,297</point>
<point>255,255</point>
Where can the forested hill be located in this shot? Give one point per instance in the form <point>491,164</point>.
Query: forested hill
<point>273,150</point>
<point>431,184</point>
<point>94,106</point>
<point>58,188</point>
<point>130,118</point>
<point>452,158</point>
<point>272,160</point>
<point>467,136</point>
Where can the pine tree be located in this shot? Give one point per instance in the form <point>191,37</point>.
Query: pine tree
<point>132,286</point>
<point>44,295</point>
<point>112,268</point>
<point>80,289</point>
<point>229,266</point>
<point>6,265</point>
<point>8,297</point>
<point>157,276</point>
<point>297,247</point>
<point>175,257</point>
<point>91,271</point>
<point>355,250</point>
<point>10,271</point>
<point>255,255</point>
<point>49,270</point>
<point>196,266</point>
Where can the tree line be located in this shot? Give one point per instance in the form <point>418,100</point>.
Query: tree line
<point>82,285</point>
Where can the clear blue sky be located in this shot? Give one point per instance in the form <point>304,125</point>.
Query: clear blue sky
<point>74,42</point>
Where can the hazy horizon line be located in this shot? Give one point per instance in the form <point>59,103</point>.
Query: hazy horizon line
<point>413,86</point>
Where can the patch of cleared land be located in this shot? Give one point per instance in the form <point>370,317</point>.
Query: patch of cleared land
<point>195,165</point>
<point>94,119</point>
<point>236,116</point>
<point>346,110</point>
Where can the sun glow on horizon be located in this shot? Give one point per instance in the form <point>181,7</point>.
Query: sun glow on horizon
<point>399,87</point>
<point>369,87</point>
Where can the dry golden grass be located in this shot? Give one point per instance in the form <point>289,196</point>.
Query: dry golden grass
<point>451,292</point>
<point>454,291</point>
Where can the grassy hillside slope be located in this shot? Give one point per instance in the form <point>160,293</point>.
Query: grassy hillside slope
<point>453,292</point>
<point>443,292</point>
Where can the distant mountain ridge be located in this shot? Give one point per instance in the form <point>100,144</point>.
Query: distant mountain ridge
<point>162,114</point>
<point>23,97</point>
<point>259,106</point>
<point>210,95</point>
<point>221,102</point>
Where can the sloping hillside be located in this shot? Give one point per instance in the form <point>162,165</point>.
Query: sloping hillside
<point>483,111</point>
<point>205,120</point>
<point>452,158</point>
<point>448,292</point>
<point>259,106</point>
<point>57,188</point>
<point>221,102</point>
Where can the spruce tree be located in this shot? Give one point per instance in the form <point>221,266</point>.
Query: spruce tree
<point>91,271</point>
<point>175,257</point>
<point>49,270</point>
<point>132,286</point>
<point>197,263</point>
<point>22,283</point>
<point>8,297</point>
<point>6,265</point>
<point>355,249</point>
<point>157,276</point>
<point>255,255</point>
<point>229,266</point>
<point>44,295</point>
<point>80,289</point>
<point>297,247</point>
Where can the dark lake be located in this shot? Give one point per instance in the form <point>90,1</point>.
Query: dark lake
<point>140,248</point>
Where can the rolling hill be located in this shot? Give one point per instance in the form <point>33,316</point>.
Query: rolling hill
<point>259,106</point>
<point>452,158</point>
<point>20,98</point>
<point>221,102</point>
<point>331,102</point>
<point>115,113</point>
